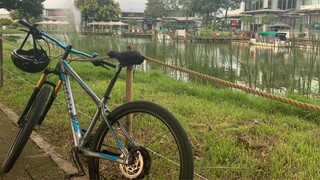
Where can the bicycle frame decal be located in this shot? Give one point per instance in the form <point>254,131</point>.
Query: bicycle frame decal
<point>76,129</point>
<point>75,124</point>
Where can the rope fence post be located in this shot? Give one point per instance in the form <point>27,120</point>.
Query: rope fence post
<point>1,63</point>
<point>129,92</point>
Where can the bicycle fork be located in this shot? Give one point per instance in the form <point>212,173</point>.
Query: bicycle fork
<point>35,93</point>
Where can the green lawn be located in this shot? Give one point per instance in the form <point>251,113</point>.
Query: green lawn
<point>234,135</point>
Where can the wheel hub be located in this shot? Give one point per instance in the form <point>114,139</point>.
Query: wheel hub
<point>140,167</point>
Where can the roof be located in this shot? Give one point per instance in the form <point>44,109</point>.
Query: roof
<point>264,11</point>
<point>279,24</point>
<point>110,23</point>
<point>270,33</point>
<point>183,18</point>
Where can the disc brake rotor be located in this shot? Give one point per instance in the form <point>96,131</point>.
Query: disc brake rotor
<point>139,168</point>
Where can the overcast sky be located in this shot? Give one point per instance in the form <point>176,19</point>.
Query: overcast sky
<point>132,5</point>
<point>125,5</point>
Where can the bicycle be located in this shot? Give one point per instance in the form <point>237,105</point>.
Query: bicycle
<point>165,153</point>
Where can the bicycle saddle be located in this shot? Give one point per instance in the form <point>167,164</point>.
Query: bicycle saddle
<point>127,58</point>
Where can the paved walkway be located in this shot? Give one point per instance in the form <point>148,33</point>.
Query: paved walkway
<point>34,162</point>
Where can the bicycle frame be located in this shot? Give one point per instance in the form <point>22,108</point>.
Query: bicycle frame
<point>64,71</point>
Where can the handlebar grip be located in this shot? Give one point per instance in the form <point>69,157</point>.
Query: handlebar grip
<point>102,63</point>
<point>24,23</point>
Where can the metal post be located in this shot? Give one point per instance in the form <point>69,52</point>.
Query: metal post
<point>1,62</point>
<point>129,92</point>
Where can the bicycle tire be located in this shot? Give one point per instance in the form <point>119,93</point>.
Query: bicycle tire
<point>24,133</point>
<point>156,148</point>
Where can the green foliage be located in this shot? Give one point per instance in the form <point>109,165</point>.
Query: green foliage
<point>206,8</point>
<point>9,4</point>
<point>27,9</point>
<point>155,8</point>
<point>12,38</point>
<point>247,19</point>
<point>267,19</point>
<point>234,135</point>
<point>98,9</point>
<point>230,4</point>
<point>5,22</point>
<point>204,32</point>
<point>132,22</point>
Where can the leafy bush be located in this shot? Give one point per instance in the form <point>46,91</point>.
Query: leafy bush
<point>12,38</point>
<point>5,22</point>
<point>204,32</point>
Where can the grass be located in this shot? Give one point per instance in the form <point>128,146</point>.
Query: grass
<point>234,135</point>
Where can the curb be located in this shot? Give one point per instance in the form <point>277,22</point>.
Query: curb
<point>63,164</point>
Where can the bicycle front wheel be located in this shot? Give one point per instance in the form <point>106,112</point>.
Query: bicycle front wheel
<point>27,125</point>
<point>164,151</point>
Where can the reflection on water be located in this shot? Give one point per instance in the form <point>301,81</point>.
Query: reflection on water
<point>276,70</point>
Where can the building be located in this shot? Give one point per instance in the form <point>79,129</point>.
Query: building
<point>283,11</point>
<point>310,14</point>
<point>136,20</point>
<point>4,14</point>
<point>178,19</point>
<point>298,15</point>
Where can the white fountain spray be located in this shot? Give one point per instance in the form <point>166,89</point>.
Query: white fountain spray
<point>76,15</point>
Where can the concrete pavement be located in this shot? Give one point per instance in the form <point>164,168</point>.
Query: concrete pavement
<point>38,159</point>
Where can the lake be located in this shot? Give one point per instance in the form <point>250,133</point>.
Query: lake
<point>275,70</point>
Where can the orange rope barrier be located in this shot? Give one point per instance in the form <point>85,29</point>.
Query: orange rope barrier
<point>238,86</point>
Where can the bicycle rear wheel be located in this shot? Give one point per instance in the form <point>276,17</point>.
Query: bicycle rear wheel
<point>164,151</point>
<point>26,127</point>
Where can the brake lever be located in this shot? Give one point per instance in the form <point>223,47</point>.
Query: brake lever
<point>99,63</point>
<point>102,65</point>
<point>24,30</point>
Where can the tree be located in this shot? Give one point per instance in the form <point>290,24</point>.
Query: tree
<point>98,9</point>
<point>206,9</point>
<point>9,4</point>
<point>155,8</point>
<point>229,5</point>
<point>266,20</point>
<point>186,7</point>
<point>23,9</point>
<point>132,22</point>
<point>247,20</point>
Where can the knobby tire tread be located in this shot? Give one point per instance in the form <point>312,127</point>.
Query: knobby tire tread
<point>147,107</point>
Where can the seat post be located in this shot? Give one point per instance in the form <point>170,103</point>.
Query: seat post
<point>112,83</point>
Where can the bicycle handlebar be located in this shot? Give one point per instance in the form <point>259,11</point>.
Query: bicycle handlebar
<point>26,24</point>
<point>34,30</point>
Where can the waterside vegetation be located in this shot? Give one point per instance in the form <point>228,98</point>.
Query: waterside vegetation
<point>234,135</point>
